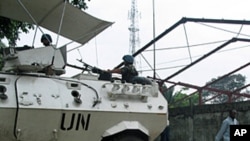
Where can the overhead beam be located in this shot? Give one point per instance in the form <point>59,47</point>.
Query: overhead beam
<point>182,21</point>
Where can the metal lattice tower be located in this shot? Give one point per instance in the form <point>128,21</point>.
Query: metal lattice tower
<point>134,40</point>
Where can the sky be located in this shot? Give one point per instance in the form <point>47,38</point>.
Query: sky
<point>106,50</point>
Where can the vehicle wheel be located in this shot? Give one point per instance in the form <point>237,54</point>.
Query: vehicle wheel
<point>128,137</point>
<point>132,135</point>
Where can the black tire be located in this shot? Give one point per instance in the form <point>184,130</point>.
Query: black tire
<point>128,137</point>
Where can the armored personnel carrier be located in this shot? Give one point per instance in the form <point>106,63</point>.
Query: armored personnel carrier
<point>38,104</point>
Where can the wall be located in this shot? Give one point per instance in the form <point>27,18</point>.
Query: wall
<point>201,123</point>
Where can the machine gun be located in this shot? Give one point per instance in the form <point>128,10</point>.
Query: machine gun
<point>103,75</point>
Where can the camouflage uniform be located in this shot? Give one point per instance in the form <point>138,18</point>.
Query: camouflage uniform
<point>128,73</point>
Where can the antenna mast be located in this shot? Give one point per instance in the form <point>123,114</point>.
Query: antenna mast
<point>134,40</point>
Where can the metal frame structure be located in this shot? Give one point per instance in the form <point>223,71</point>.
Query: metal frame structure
<point>182,21</point>
<point>206,87</point>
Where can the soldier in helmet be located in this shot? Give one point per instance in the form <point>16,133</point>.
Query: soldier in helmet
<point>46,40</point>
<point>128,72</point>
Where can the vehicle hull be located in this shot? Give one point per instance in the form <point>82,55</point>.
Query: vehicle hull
<point>42,108</point>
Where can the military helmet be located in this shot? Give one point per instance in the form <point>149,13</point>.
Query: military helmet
<point>128,59</point>
<point>46,37</point>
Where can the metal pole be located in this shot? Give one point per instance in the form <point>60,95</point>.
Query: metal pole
<point>154,57</point>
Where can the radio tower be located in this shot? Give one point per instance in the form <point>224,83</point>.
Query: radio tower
<point>134,40</point>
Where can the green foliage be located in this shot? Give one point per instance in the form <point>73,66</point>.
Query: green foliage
<point>230,83</point>
<point>81,4</point>
<point>181,99</point>
<point>167,92</point>
<point>10,29</point>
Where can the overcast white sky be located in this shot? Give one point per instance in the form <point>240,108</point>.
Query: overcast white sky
<point>167,12</point>
<point>106,50</point>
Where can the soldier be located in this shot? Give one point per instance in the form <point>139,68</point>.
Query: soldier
<point>128,72</point>
<point>46,39</point>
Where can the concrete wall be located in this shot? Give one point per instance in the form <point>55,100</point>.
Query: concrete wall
<point>201,123</point>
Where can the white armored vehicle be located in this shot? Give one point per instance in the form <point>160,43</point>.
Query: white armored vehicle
<point>38,104</point>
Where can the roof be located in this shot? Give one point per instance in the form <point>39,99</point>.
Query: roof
<point>77,25</point>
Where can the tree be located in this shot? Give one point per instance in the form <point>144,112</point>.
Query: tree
<point>81,4</point>
<point>181,99</point>
<point>229,83</point>
<point>167,92</point>
<point>11,29</point>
